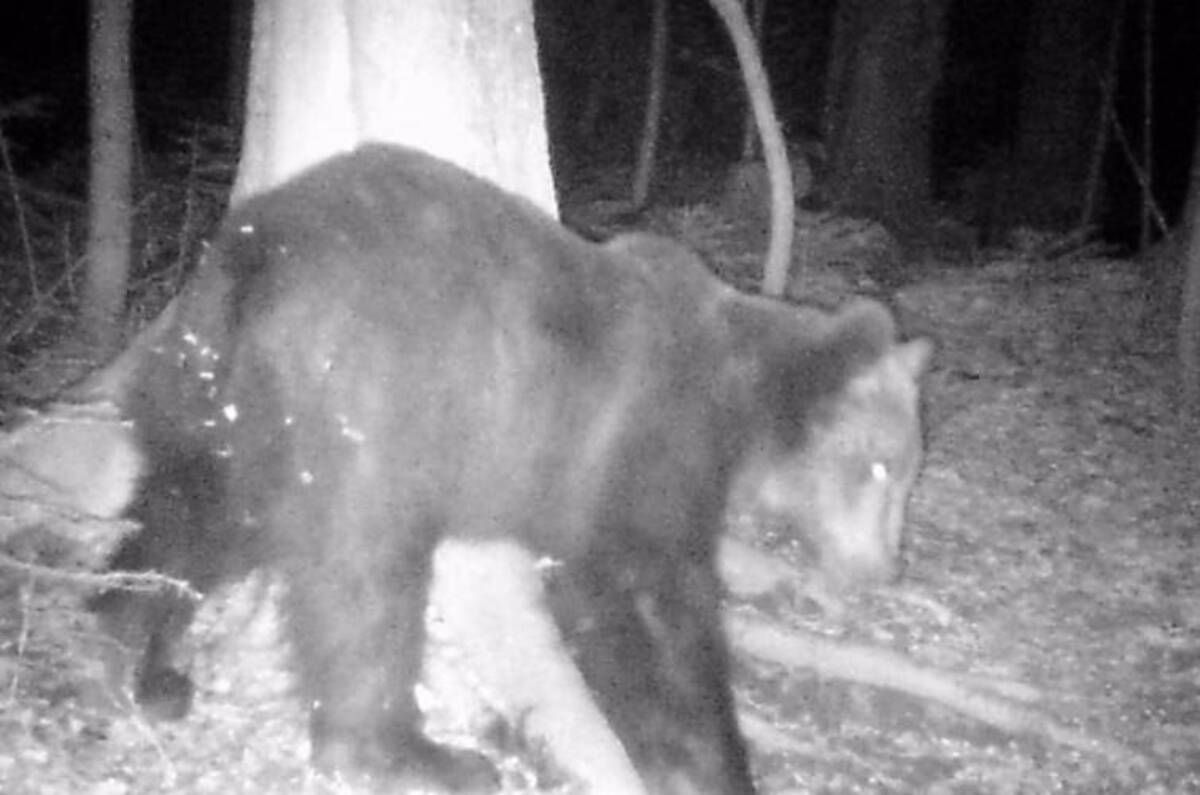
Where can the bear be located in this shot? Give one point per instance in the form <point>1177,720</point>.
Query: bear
<point>386,353</point>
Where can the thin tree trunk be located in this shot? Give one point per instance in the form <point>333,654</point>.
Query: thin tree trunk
<point>757,14</point>
<point>1107,117</point>
<point>1189,314</point>
<point>884,67</point>
<point>110,192</point>
<point>654,104</point>
<point>1147,216</point>
<point>778,260</point>
<point>1060,104</point>
<point>599,78</point>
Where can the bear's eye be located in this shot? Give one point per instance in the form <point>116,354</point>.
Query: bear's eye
<point>880,472</point>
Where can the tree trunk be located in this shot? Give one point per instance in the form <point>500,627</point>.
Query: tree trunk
<point>756,13</point>
<point>777,262</point>
<point>885,64</point>
<point>1061,99</point>
<point>456,78</point>
<point>109,189</point>
<point>1189,315</point>
<point>651,124</point>
<point>598,62</point>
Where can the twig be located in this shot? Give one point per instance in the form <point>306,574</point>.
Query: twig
<point>1100,145</point>
<point>31,316</point>
<point>135,581</point>
<point>22,635</point>
<point>170,774</point>
<point>19,209</point>
<point>1139,174</point>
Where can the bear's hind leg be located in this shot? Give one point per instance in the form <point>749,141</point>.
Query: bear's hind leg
<point>676,716</point>
<point>181,539</point>
<point>359,641</point>
<point>150,626</point>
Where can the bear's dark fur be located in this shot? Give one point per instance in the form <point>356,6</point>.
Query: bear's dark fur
<point>386,351</point>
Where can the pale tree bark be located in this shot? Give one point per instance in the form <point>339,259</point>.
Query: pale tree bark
<point>456,78</point>
<point>110,194</point>
<point>777,262</point>
<point>757,14</point>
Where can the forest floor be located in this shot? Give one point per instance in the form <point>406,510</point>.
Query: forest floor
<point>1053,543</point>
<point>1052,568</point>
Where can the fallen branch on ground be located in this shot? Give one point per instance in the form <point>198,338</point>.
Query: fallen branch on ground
<point>749,572</point>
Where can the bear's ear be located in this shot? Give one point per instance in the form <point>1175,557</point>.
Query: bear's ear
<point>873,329</point>
<point>864,333</point>
<point>913,356</point>
<point>870,319</point>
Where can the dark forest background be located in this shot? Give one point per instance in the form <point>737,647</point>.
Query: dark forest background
<point>595,67</point>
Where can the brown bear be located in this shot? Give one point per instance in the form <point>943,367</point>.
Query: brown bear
<point>386,352</point>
